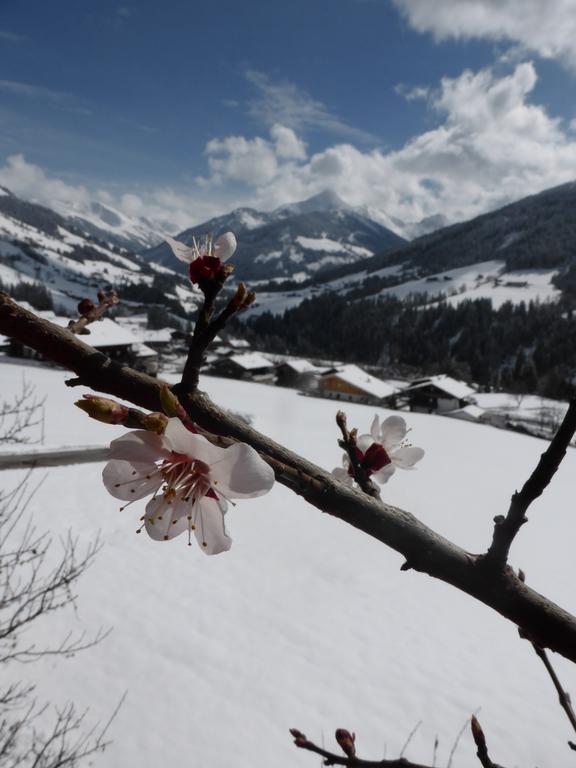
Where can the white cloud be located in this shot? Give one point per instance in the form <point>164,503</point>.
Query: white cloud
<point>172,210</point>
<point>412,94</point>
<point>287,145</point>
<point>491,146</point>
<point>38,92</point>
<point>291,106</point>
<point>252,161</point>
<point>29,181</point>
<point>547,27</point>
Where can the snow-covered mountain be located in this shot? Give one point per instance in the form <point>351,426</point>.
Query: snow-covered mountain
<point>41,248</point>
<point>111,225</point>
<point>525,251</point>
<point>295,241</point>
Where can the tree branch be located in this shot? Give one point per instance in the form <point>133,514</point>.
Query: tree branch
<point>563,696</point>
<point>481,746</point>
<point>207,328</point>
<point>348,443</point>
<point>90,312</point>
<point>546,623</point>
<point>506,528</point>
<point>331,758</point>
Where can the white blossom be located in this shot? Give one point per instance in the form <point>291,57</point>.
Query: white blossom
<point>190,481</point>
<point>382,451</point>
<point>222,248</point>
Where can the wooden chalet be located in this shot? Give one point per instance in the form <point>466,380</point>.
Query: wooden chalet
<point>251,366</point>
<point>117,342</point>
<point>352,383</point>
<point>436,394</point>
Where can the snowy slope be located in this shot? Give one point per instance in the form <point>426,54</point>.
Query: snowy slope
<point>295,241</point>
<point>484,280</point>
<point>114,226</point>
<point>306,622</point>
<point>41,247</point>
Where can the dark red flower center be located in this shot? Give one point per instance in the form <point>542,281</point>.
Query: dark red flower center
<point>204,269</point>
<point>374,459</point>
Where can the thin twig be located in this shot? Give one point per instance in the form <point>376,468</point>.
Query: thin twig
<point>563,696</point>
<point>410,737</point>
<point>348,443</point>
<point>207,328</point>
<point>481,746</point>
<point>331,758</point>
<point>94,313</point>
<point>506,528</point>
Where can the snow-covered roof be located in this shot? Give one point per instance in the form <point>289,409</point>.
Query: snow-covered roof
<point>360,379</point>
<point>469,412</point>
<point>141,350</point>
<point>237,343</point>
<point>453,387</point>
<point>104,333</point>
<point>303,366</point>
<point>153,335</point>
<point>251,361</point>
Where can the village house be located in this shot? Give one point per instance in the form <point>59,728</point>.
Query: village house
<point>117,342</point>
<point>298,373</point>
<point>349,382</point>
<point>436,394</point>
<point>250,366</point>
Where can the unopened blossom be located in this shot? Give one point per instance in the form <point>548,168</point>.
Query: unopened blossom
<point>381,452</point>
<point>189,479</point>
<point>205,257</point>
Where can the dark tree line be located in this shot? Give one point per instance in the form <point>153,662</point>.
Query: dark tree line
<point>520,348</point>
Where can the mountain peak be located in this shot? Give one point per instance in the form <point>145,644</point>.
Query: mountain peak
<point>328,200</point>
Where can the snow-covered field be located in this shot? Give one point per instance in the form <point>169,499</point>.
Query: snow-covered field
<point>485,280</point>
<point>306,622</point>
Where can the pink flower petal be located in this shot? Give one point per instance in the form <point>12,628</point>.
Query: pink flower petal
<point>393,431</point>
<point>365,441</point>
<point>241,473</point>
<point>225,246</point>
<point>181,440</point>
<point>180,250</point>
<point>405,458</point>
<point>129,481</point>
<point>139,446</point>
<point>384,474</point>
<point>375,429</point>
<point>342,475</point>
<point>165,521</point>
<point>210,529</point>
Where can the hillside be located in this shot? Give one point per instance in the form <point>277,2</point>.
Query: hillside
<point>45,258</point>
<point>294,241</point>
<point>535,233</point>
<point>306,622</point>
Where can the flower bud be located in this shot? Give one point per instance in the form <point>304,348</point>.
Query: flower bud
<point>346,741</point>
<point>299,739</point>
<point>103,409</point>
<point>477,732</point>
<point>250,299</point>
<point>170,403</point>
<point>86,306</point>
<point>155,422</point>
<point>239,296</point>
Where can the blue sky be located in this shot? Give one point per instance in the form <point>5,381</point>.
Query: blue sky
<point>179,110</point>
